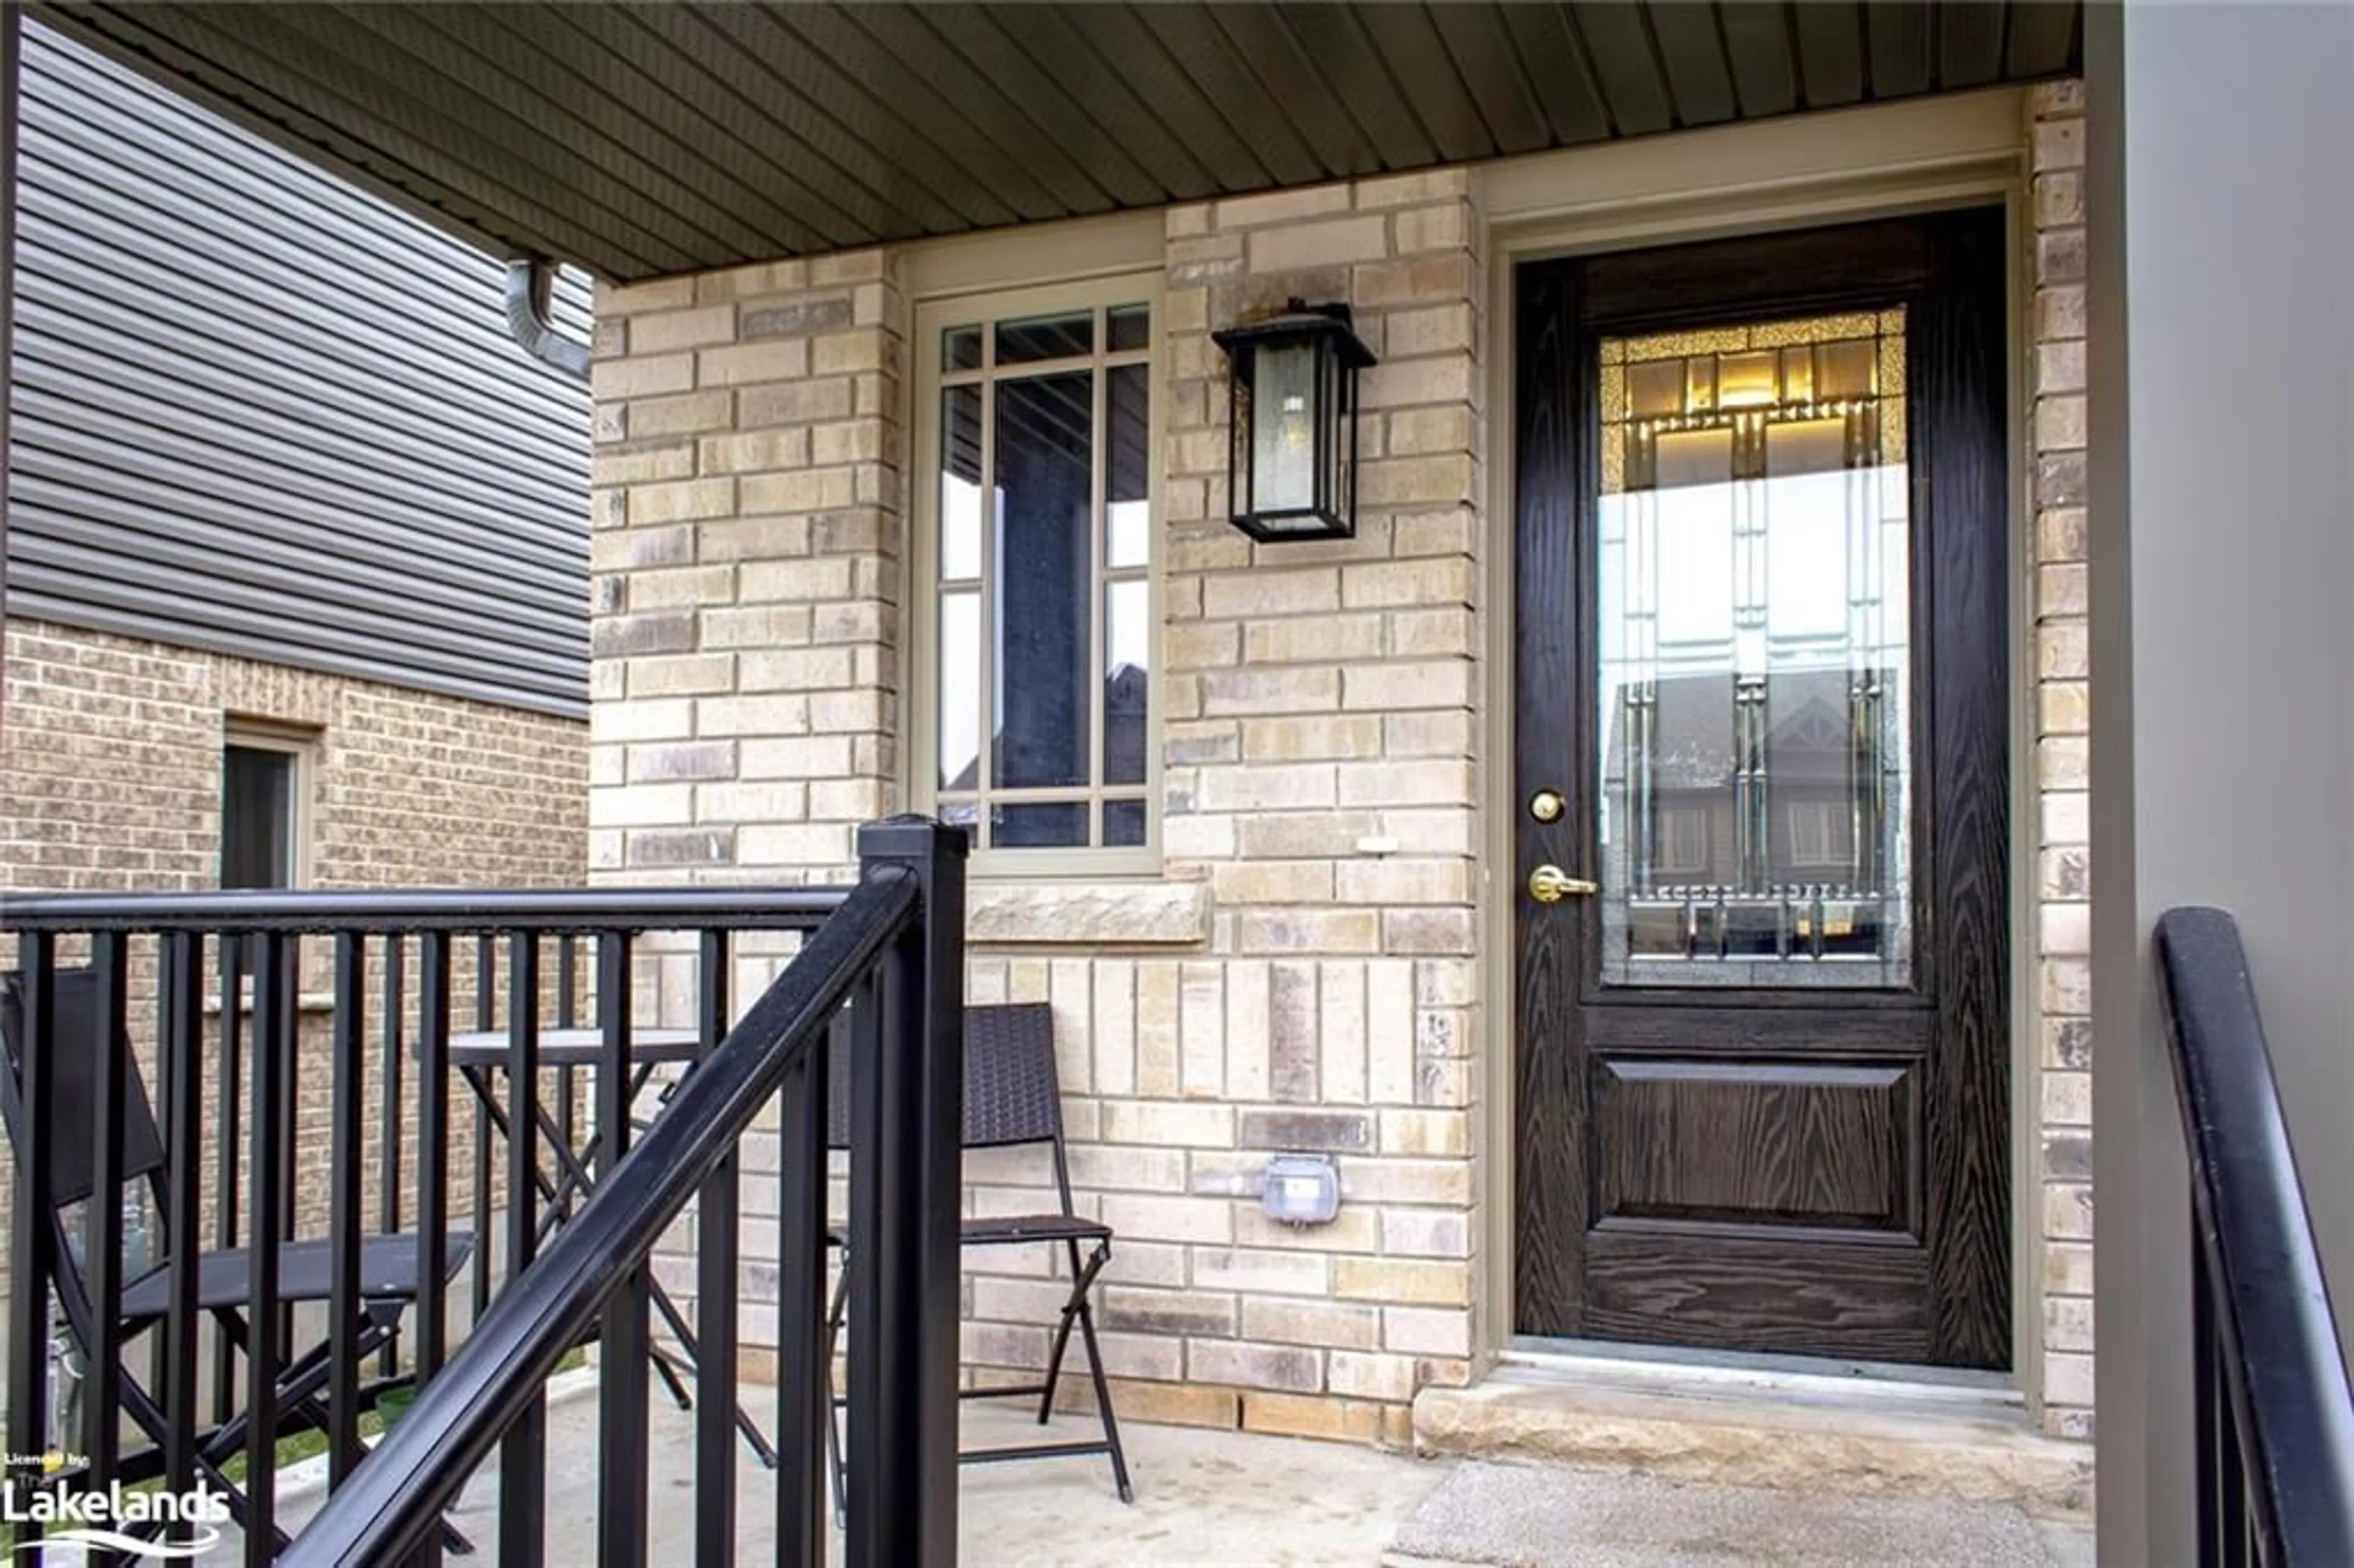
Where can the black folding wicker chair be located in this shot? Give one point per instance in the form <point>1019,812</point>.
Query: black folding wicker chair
<point>1012,1096</point>
<point>389,1270</point>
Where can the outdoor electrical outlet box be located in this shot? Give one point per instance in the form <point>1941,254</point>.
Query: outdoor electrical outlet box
<point>1302,1188</point>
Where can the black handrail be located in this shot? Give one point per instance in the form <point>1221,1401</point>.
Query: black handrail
<point>894,952</point>
<point>2275,1414</point>
<point>388,1507</point>
<point>206,986</point>
<point>551,910</point>
<point>884,957</point>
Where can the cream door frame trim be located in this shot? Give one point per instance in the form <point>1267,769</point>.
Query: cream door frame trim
<point>1741,173</point>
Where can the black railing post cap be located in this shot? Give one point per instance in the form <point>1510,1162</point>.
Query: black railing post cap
<point>911,836</point>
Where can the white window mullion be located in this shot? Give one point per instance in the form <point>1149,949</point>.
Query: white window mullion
<point>1098,448</point>
<point>984,769</point>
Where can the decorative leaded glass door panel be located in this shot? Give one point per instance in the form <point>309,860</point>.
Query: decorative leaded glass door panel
<point>1760,749</point>
<point>1753,572</point>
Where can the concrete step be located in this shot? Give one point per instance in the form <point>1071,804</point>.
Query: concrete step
<point>1799,1433</point>
<point>1554,1516</point>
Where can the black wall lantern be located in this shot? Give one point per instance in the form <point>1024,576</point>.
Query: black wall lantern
<point>1294,465</point>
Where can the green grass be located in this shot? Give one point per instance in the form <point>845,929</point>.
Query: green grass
<point>309,1445</point>
<point>300,1446</point>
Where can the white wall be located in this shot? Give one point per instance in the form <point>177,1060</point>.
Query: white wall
<point>2222,580</point>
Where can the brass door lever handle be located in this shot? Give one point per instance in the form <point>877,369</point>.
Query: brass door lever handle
<point>1550,884</point>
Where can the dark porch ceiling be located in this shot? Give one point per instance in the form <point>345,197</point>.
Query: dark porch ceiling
<point>645,138</point>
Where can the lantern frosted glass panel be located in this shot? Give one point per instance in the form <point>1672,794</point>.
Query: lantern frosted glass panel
<point>1283,434</point>
<point>1339,437</point>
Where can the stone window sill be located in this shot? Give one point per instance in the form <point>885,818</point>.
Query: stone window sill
<point>1087,914</point>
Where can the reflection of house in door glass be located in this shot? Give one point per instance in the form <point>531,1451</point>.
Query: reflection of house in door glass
<point>1752,587</point>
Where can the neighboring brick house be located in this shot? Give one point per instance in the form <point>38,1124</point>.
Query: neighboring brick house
<point>281,477</point>
<point>297,558</point>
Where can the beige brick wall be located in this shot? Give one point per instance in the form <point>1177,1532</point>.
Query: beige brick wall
<point>745,570</point>
<point>1319,743</point>
<point>1321,710</point>
<point>111,779</point>
<point>2063,1194</point>
<point>1319,703</point>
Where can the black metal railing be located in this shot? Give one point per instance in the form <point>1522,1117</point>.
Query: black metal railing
<point>2275,1419</point>
<point>304,1304</point>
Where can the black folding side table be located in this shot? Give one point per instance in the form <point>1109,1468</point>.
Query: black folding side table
<point>479,1055</point>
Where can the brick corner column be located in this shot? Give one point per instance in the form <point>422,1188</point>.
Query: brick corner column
<point>745,570</point>
<point>2062,1196</point>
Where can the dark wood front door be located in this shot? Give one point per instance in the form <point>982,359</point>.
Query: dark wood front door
<point>1762,795</point>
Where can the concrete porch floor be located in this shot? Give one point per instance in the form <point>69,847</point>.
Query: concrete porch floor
<point>1239,1499</point>
<point>1201,1496</point>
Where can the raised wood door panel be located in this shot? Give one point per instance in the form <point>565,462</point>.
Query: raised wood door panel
<point>1752,1143</point>
<point>1762,1079</point>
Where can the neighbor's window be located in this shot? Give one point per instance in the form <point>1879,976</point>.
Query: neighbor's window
<point>1037,541</point>
<point>262,779</point>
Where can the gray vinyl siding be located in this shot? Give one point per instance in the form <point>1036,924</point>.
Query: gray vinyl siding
<point>259,412</point>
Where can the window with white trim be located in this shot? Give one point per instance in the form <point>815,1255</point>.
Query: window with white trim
<point>265,784</point>
<point>1034,555</point>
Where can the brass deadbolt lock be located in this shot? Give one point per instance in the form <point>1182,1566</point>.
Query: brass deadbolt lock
<point>1546,805</point>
